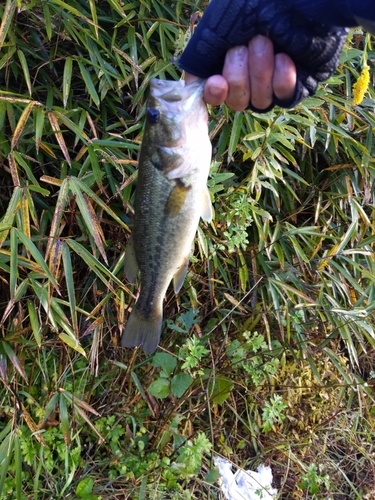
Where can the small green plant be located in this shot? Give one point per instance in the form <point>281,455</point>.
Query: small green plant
<point>312,480</point>
<point>249,356</point>
<point>189,459</point>
<point>273,412</point>
<point>165,383</point>
<point>193,352</point>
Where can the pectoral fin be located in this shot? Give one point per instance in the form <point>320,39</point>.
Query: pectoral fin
<point>206,205</point>
<point>176,199</point>
<point>179,277</point>
<point>131,267</point>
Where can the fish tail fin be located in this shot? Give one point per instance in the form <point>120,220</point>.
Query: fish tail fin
<point>145,331</point>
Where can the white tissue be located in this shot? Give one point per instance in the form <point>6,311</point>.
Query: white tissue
<point>245,485</point>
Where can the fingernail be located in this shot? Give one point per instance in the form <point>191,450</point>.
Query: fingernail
<point>258,45</point>
<point>238,53</point>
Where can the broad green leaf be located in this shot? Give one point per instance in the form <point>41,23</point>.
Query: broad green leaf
<point>85,487</point>
<point>180,383</point>
<point>159,388</point>
<point>165,361</point>
<point>219,388</point>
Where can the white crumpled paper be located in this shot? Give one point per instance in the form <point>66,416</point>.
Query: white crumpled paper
<point>245,485</point>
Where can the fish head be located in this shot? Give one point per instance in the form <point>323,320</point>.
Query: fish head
<point>176,119</point>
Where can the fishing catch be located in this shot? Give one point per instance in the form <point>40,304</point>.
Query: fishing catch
<point>171,196</point>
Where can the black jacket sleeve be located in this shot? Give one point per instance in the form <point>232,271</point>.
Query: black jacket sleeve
<point>313,46</point>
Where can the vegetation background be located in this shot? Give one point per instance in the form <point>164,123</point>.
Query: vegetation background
<point>267,354</point>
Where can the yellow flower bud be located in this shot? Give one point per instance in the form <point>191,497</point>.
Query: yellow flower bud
<point>361,85</point>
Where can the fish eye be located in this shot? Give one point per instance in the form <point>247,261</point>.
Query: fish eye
<point>153,115</point>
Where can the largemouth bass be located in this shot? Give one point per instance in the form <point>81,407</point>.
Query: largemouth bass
<point>171,196</point>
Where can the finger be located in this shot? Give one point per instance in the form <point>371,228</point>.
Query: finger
<point>261,67</point>
<point>215,90</point>
<point>236,73</point>
<point>284,77</point>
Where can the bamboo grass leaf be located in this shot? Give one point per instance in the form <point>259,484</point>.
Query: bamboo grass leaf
<point>98,201</point>
<point>77,129</point>
<point>58,213</point>
<point>64,419</point>
<point>30,246</point>
<point>97,267</point>
<point>98,174</point>
<point>67,78</point>
<point>13,263</point>
<point>14,360</point>
<point>89,216</point>
<point>18,466</point>
<point>69,279</point>
<point>6,452</point>
<point>50,407</point>
<point>25,69</point>
<point>94,16</point>
<point>3,366</point>
<point>25,214</point>
<point>21,124</point>
<point>39,116</point>
<point>55,258</point>
<point>13,205</point>
<point>13,170</point>
<point>6,21</point>
<point>34,321</point>
<point>59,137</point>
<point>47,20</point>
<point>89,84</point>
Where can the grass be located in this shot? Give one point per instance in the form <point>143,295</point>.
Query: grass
<point>267,353</point>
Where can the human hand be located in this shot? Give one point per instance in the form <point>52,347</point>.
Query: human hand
<point>251,74</point>
<point>226,25</point>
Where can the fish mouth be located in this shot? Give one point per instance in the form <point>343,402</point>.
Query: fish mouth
<point>176,97</point>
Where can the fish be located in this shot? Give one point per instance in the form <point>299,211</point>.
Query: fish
<point>171,196</point>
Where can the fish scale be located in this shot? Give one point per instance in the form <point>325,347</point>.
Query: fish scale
<point>171,196</point>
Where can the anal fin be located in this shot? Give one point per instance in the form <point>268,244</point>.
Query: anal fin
<point>179,277</point>
<point>130,267</point>
<point>206,205</point>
